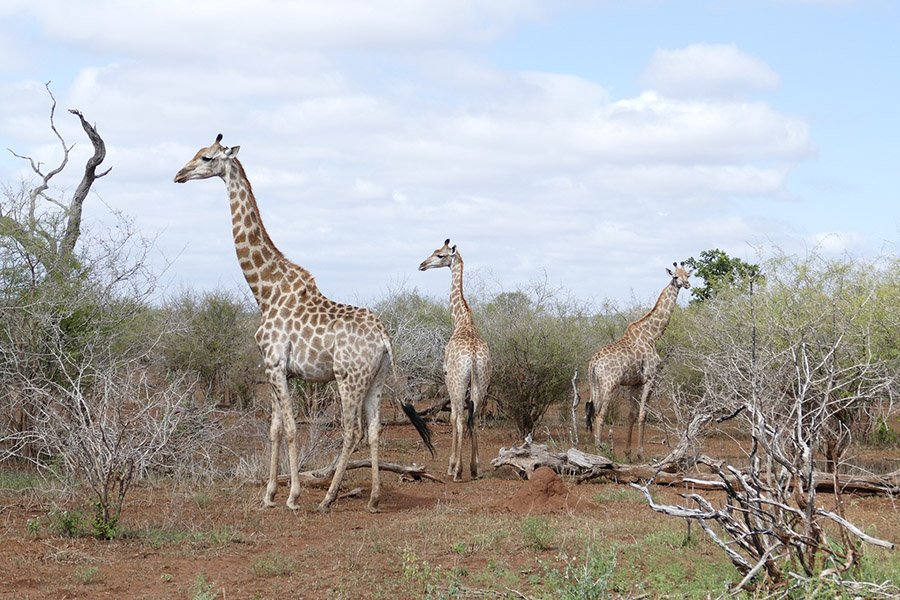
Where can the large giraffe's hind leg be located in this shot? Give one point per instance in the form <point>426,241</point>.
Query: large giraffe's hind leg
<point>372,408</point>
<point>352,388</point>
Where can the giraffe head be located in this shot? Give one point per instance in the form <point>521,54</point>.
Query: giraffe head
<point>442,257</point>
<point>208,162</point>
<point>680,275</point>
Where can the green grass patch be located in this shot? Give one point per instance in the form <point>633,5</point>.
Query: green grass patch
<point>202,589</point>
<point>159,537</point>
<point>273,564</point>
<point>618,493</point>
<point>86,574</point>
<point>538,533</point>
<point>17,481</point>
<point>583,577</point>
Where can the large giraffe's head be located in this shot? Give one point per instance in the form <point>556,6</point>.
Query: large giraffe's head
<point>208,162</point>
<point>442,257</point>
<point>680,275</point>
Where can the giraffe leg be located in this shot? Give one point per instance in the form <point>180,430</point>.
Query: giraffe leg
<point>372,407</point>
<point>601,394</point>
<point>278,378</point>
<point>473,463</point>
<point>642,418</point>
<point>351,404</point>
<point>479,385</point>
<point>456,387</point>
<point>275,442</point>
<point>459,432</point>
<point>632,417</point>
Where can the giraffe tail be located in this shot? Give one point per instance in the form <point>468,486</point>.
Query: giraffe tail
<point>589,412</point>
<point>470,405</point>
<point>408,409</point>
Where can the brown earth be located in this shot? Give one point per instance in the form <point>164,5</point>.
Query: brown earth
<point>180,535</point>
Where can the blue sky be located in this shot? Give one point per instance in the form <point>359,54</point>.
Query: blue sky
<point>590,143</point>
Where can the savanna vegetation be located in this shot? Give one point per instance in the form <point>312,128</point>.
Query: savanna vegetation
<point>115,398</point>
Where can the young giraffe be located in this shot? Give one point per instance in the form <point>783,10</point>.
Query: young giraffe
<point>304,334</point>
<point>632,361</point>
<point>467,362</point>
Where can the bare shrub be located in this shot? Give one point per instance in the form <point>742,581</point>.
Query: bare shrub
<point>419,328</point>
<point>796,361</point>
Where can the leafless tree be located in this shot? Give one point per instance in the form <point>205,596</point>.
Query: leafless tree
<point>794,364</point>
<point>53,254</point>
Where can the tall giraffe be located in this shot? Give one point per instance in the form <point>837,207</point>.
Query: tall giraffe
<point>632,361</point>
<point>303,334</point>
<point>467,362</point>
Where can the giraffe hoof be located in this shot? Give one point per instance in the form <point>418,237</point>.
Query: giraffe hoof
<point>268,503</point>
<point>293,505</point>
<point>372,508</point>
<point>324,507</point>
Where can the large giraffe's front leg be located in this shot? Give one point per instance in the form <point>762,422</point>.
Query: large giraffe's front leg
<point>278,378</point>
<point>275,442</point>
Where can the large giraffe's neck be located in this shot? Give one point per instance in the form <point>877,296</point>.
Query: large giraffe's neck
<point>652,325</point>
<point>459,308</point>
<point>261,261</point>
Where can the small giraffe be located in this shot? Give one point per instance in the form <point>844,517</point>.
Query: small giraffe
<point>303,334</point>
<point>467,362</point>
<point>632,361</point>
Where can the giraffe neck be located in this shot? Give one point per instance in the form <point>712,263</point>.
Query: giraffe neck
<point>459,308</point>
<point>260,259</point>
<point>652,325</point>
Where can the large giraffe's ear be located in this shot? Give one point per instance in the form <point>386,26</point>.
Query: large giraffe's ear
<point>447,242</point>
<point>232,152</point>
<point>669,271</point>
<point>452,249</point>
<point>218,138</point>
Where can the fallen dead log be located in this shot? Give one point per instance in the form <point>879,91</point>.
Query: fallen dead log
<point>413,472</point>
<point>527,457</point>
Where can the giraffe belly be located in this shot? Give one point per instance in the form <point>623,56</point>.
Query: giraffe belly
<point>310,361</point>
<point>310,372</point>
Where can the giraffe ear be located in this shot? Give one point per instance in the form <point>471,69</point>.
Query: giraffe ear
<point>453,249</point>
<point>447,242</point>
<point>232,152</point>
<point>218,138</point>
<point>669,271</point>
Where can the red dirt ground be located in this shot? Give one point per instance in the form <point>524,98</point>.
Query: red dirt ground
<point>244,551</point>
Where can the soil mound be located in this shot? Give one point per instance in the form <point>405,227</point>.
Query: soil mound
<point>545,492</point>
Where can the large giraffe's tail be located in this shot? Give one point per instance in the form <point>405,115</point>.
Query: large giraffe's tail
<point>590,412</point>
<point>408,409</point>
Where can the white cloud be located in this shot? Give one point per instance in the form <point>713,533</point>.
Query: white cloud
<point>708,70</point>
<point>401,145</point>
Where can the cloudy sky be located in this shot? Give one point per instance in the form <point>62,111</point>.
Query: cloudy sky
<point>591,143</point>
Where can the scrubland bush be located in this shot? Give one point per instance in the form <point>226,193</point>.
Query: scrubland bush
<point>538,336</point>
<point>211,335</point>
<point>419,328</point>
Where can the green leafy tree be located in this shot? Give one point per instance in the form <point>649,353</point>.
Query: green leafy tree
<point>719,272</point>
